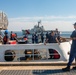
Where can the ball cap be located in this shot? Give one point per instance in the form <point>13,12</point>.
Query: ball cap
<point>74,24</point>
<point>6,32</point>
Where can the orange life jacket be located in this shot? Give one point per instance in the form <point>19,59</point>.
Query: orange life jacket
<point>13,35</point>
<point>25,39</point>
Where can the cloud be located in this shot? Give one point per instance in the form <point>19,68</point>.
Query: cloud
<point>63,23</point>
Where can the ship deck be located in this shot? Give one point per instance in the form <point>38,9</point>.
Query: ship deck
<point>22,68</point>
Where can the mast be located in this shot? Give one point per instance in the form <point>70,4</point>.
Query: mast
<point>3,21</point>
<point>39,22</point>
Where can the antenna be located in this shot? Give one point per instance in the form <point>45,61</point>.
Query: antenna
<point>39,22</point>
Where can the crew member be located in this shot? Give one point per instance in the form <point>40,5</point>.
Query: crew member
<point>33,38</point>
<point>57,33</point>
<point>52,39</point>
<point>42,37</point>
<point>72,51</point>
<point>5,38</point>
<point>25,38</point>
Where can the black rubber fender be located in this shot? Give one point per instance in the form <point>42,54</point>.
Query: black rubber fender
<point>9,55</point>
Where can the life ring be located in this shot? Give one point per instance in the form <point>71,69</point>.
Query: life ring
<point>9,55</point>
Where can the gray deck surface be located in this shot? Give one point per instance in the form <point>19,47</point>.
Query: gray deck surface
<point>34,69</point>
<point>37,72</point>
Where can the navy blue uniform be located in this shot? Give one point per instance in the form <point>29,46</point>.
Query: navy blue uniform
<point>73,48</point>
<point>47,35</point>
<point>33,38</point>
<point>42,37</point>
<point>52,39</point>
<point>5,39</point>
<point>36,38</point>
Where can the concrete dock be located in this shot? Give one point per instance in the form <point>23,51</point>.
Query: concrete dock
<point>22,68</point>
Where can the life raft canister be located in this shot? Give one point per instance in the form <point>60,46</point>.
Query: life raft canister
<point>9,55</point>
<point>13,42</point>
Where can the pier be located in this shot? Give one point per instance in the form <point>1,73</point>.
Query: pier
<point>31,68</point>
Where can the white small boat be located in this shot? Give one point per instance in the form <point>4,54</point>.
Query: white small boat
<point>32,52</point>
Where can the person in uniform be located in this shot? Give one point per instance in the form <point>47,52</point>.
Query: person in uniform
<point>57,33</point>
<point>5,38</point>
<point>42,37</point>
<point>33,38</point>
<point>72,50</point>
<point>52,38</point>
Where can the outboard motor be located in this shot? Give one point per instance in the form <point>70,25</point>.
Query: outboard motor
<point>9,55</point>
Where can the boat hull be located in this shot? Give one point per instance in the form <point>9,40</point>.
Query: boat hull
<point>43,51</point>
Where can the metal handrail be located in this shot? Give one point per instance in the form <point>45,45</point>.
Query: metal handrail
<point>19,54</point>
